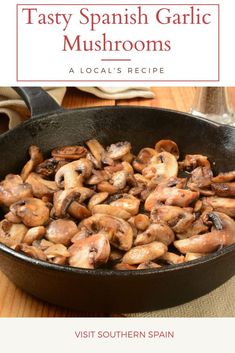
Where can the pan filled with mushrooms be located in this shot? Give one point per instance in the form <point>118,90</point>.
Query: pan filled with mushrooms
<point>116,209</point>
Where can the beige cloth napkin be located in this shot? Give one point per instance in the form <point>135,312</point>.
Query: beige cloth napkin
<point>218,303</point>
<point>14,109</point>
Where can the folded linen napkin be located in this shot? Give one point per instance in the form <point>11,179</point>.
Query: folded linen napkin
<point>218,303</point>
<point>13,108</point>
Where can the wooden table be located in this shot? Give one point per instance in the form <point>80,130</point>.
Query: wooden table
<point>15,302</point>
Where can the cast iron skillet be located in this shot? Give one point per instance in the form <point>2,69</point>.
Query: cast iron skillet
<point>107,290</point>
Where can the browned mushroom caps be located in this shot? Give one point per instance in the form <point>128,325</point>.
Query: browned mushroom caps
<point>115,211</point>
<point>56,250</point>
<point>143,158</point>
<point>115,151</point>
<point>192,161</point>
<point>156,232</point>
<point>141,221</point>
<point>32,251</point>
<point>96,149</point>
<point>171,196</point>
<point>13,189</point>
<point>179,219</point>
<point>167,146</point>
<point>119,179</point>
<point>224,189</point>
<point>49,167</point>
<point>208,242</point>
<point>11,234</point>
<point>72,174</point>
<point>61,231</point>
<point>161,167</point>
<point>36,157</point>
<point>33,212</point>
<point>172,258</point>
<point>69,201</point>
<point>224,177</point>
<point>91,252</point>
<point>40,186</point>
<point>118,231</point>
<point>197,227</point>
<point>97,199</point>
<point>144,253</point>
<point>221,204</point>
<point>69,152</point>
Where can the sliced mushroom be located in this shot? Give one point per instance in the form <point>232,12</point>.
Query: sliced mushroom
<point>12,189</point>
<point>36,157</point>
<point>96,149</point>
<point>49,167</point>
<point>61,231</point>
<point>90,252</point>
<point>192,161</point>
<point>156,232</point>
<point>141,221</point>
<point>221,204</point>
<point>69,152</point>
<point>97,199</point>
<point>197,227</point>
<point>33,212</point>
<point>41,187</point>
<point>56,250</point>
<point>72,174</point>
<point>105,186</point>
<point>119,179</point>
<point>124,267</point>
<point>117,150</point>
<point>118,231</point>
<point>12,234</point>
<point>147,265</point>
<point>33,234</point>
<point>129,203</point>
<point>144,253</point>
<point>224,177</point>
<point>161,167</point>
<point>209,242</point>
<point>115,211</point>
<point>167,146</point>
<point>172,258</point>
<point>143,159</point>
<point>32,251</point>
<point>12,218</point>
<point>224,189</point>
<point>192,256</point>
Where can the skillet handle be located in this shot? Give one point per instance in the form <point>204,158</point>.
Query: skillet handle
<point>38,101</point>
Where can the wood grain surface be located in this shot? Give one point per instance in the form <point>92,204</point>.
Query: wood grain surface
<point>16,303</point>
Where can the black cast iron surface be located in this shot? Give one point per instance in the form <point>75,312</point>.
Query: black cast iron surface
<point>107,290</point>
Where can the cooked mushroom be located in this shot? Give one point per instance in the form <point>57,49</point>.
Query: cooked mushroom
<point>90,252</point>
<point>172,258</point>
<point>71,175</point>
<point>161,167</point>
<point>224,189</point>
<point>12,234</point>
<point>143,159</point>
<point>117,150</point>
<point>144,253</point>
<point>56,250</point>
<point>156,232</point>
<point>61,231</point>
<point>33,212</point>
<point>192,161</point>
<point>49,167</point>
<point>167,146</point>
<point>41,187</point>
<point>69,152</point>
<point>33,234</point>
<point>224,177</point>
<point>209,242</point>
<point>12,189</point>
<point>32,251</point>
<point>221,204</point>
<point>141,221</point>
<point>97,199</point>
<point>118,231</point>
<point>96,149</point>
<point>190,256</point>
<point>115,211</point>
<point>127,202</point>
<point>36,157</point>
<point>147,265</point>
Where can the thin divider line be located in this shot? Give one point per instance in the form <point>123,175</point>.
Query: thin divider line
<point>115,59</point>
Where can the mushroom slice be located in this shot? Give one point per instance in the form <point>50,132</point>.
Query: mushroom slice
<point>72,174</point>
<point>167,146</point>
<point>124,267</point>
<point>117,150</point>
<point>11,234</point>
<point>224,189</point>
<point>156,232</point>
<point>209,242</point>
<point>221,204</point>
<point>144,253</point>
<point>172,258</point>
<point>13,189</point>
<point>143,159</point>
<point>33,212</point>
<point>179,219</point>
<point>201,176</point>
<point>141,221</point>
<point>33,234</point>
<point>115,255</point>
<point>56,250</point>
<point>224,177</point>
<point>105,186</point>
<point>91,252</point>
<point>171,196</point>
<point>115,211</point>
<point>32,251</point>
<point>128,203</point>
<point>118,231</point>
<point>147,265</point>
<point>61,231</point>
<point>97,199</point>
<point>119,179</point>
<point>69,152</point>
<point>40,186</point>
<point>197,227</point>
<point>49,167</point>
<point>192,161</point>
<point>190,256</point>
<point>96,149</point>
<point>36,157</point>
<point>12,218</point>
<point>162,167</point>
